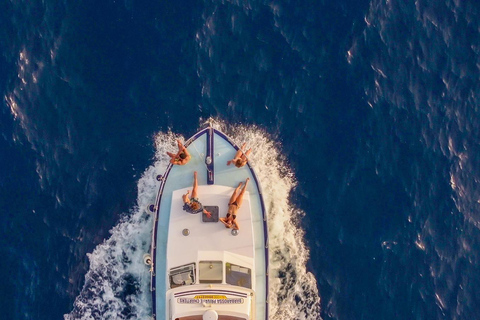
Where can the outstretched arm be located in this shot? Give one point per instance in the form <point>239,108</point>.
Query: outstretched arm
<point>207,213</point>
<point>225,222</point>
<point>232,161</point>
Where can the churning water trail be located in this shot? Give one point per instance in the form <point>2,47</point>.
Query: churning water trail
<point>117,285</point>
<point>293,290</point>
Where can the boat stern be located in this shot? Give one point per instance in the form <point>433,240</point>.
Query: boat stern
<point>217,301</point>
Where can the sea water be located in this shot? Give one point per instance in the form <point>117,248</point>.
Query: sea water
<point>370,108</point>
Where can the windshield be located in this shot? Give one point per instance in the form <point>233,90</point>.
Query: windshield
<point>182,275</point>
<point>238,275</point>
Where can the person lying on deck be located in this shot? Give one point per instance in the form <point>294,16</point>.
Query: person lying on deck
<point>240,158</point>
<point>191,204</point>
<point>181,157</point>
<point>230,221</point>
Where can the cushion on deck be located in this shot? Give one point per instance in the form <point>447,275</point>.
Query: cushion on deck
<point>214,211</point>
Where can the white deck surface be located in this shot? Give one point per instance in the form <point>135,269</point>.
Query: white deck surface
<point>207,236</point>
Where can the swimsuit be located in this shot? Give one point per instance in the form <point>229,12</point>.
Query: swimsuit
<point>234,203</point>
<point>234,216</point>
<point>188,208</point>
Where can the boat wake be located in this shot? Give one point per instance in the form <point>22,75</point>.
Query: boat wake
<point>293,290</point>
<point>117,285</point>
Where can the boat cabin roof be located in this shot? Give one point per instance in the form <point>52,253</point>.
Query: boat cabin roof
<point>197,240</point>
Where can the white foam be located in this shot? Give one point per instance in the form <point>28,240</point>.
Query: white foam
<point>293,290</point>
<point>119,260</point>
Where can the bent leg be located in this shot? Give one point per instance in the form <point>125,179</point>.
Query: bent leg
<point>238,154</point>
<point>195,186</point>
<point>245,155</point>
<point>240,196</point>
<point>180,146</point>
<point>234,195</point>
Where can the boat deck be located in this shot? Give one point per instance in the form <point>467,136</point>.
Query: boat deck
<point>216,184</point>
<point>207,236</point>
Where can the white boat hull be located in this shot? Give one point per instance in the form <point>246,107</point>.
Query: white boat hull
<point>201,266</point>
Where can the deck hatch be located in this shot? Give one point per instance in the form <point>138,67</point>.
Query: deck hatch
<point>210,271</point>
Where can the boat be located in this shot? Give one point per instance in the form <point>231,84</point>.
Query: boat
<point>202,270</point>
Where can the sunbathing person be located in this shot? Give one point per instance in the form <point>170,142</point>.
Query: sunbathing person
<point>191,204</point>
<point>240,158</point>
<point>230,221</point>
<point>181,157</point>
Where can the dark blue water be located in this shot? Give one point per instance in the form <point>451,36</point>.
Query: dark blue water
<point>374,103</point>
